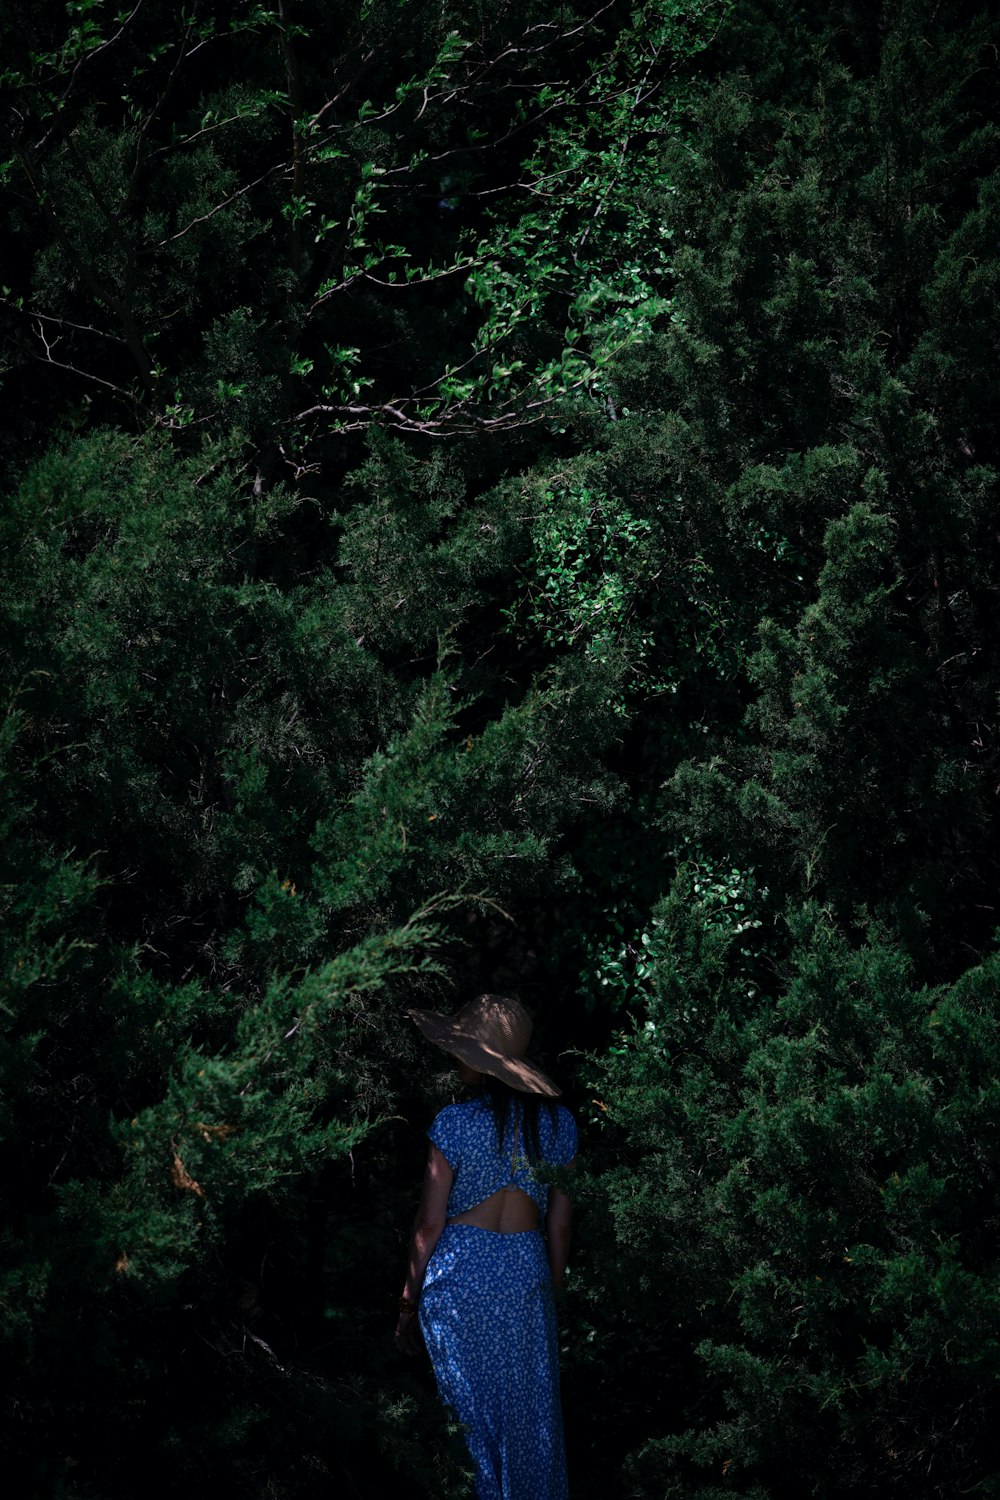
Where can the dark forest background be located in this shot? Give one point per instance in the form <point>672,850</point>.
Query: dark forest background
<point>500,496</point>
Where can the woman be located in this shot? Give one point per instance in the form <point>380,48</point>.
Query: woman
<point>480,1274</point>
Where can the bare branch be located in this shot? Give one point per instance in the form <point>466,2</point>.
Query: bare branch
<point>30,312</point>
<point>197,135</point>
<point>88,57</point>
<point>131,336</point>
<point>366,63</point>
<point>48,358</point>
<point>395,286</point>
<point>458,419</point>
<point>239,193</point>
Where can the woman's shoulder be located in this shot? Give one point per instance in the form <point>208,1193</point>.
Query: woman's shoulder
<point>563,1133</point>
<point>462,1107</point>
<point>460,1129</point>
<point>454,1116</point>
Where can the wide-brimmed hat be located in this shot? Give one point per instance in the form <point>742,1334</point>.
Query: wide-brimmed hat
<point>491,1034</point>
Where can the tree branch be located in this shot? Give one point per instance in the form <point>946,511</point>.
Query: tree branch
<point>239,193</point>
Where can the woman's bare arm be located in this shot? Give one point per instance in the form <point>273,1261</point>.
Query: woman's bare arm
<point>558,1232</point>
<point>427,1227</point>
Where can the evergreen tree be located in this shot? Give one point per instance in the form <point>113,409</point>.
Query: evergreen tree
<point>791,1208</point>
<point>526,484</point>
<point>249,807</point>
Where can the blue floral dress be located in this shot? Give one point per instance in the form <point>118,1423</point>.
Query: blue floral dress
<point>487,1311</point>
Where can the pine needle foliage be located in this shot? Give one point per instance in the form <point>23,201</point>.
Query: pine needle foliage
<point>235,838</point>
<point>500,499</point>
<point>792,1199</point>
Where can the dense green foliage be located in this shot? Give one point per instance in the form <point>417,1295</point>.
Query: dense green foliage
<point>498,499</point>
<point>800,1182</point>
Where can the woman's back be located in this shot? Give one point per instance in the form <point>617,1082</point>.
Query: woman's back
<point>508,1211</point>
<point>495,1186</point>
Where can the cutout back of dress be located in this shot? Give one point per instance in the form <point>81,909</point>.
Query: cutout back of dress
<point>466,1135</point>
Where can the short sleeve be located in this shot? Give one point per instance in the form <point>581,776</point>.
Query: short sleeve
<point>566,1138</point>
<point>444,1134</point>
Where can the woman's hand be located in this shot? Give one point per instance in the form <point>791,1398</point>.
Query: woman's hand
<point>408,1333</point>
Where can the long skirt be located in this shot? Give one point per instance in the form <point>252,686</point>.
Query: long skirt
<point>488,1319</point>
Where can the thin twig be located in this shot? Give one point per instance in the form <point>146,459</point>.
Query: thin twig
<point>203,218</point>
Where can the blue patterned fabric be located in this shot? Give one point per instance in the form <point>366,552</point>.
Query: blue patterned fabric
<point>489,1323</point>
<point>488,1314</point>
<point>467,1137</point>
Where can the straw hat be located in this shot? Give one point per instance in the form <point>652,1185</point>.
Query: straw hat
<point>491,1034</point>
